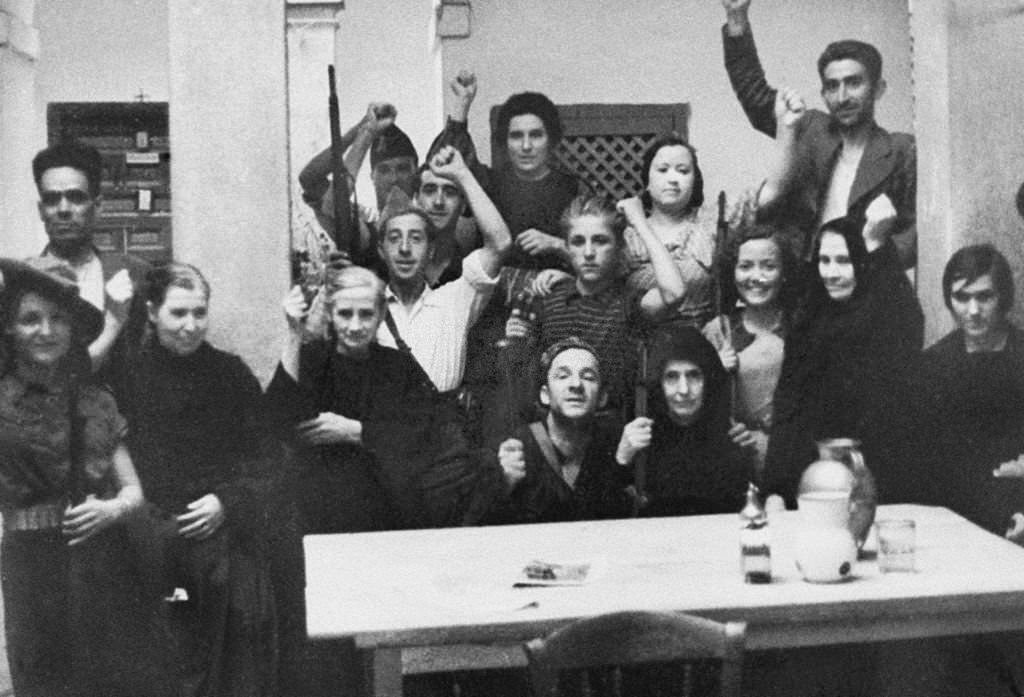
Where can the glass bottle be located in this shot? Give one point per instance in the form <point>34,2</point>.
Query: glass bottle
<point>755,544</point>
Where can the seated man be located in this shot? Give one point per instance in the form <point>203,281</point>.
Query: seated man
<point>68,179</point>
<point>971,385</point>
<point>847,164</point>
<point>562,468</point>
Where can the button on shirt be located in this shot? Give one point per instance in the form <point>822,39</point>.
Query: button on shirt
<point>436,326</point>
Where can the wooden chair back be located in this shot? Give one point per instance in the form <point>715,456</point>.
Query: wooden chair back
<point>563,661</point>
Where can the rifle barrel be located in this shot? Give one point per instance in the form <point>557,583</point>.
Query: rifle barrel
<point>344,230</point>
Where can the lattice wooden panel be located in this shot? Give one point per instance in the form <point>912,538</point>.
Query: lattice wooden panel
<point>604,143</point>
<point>608,163</point>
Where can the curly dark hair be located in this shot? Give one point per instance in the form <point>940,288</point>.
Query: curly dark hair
<point>789,291</point>
<point>528,103</point>
<point>74,154</point>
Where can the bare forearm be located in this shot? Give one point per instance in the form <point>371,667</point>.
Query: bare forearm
<point>314,174</point>
<point>129,493</point>
<point>669,281</point>
<point>497,239</point>
<point>290,355</point>
<point>100,348</point>
<point>357,152</point>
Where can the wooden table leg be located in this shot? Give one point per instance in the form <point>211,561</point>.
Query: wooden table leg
<point>382,672</point>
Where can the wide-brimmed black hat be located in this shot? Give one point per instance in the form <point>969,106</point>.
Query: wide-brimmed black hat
<point>55,281</point>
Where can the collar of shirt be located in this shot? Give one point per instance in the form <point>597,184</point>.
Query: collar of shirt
<point>425,300</point>
<point>89,276</point>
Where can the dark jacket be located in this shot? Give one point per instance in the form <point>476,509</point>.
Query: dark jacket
<point>969,418</point>
<point>544,497</point>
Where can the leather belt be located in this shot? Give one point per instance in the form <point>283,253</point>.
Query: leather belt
<point>42,516</point>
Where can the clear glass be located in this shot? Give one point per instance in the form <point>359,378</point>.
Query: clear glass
<point>897,542</point>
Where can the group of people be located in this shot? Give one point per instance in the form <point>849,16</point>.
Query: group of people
<point>497,345</point>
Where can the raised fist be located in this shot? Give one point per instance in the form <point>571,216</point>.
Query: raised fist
<point>464,85</point>
<point>448,163</point>
<point>512,461</point>
<point>379,115</point>
<point>789,107</point>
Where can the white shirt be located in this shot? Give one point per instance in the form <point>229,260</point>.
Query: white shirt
<point>837,200</point>
<point>436,326</point>
<point>89,277</point>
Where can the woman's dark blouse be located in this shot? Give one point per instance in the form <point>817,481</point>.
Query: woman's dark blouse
<point>35,445</point>
<point>195,427</point>
<point>388,392</point>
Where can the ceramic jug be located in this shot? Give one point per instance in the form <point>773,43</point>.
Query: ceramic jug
<point>821,476</point>
<point>864,495</point>
<point>825,548</point>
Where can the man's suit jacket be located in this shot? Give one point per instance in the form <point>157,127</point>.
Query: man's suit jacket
<point>888,165</point>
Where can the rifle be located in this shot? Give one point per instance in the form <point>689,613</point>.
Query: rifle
<point>640,409</point>
<point>721,235</point>
<point>346,227</point>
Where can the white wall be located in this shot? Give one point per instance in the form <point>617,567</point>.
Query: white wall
<point>230,165</point>
<point>972,153</point>
<point>387,51</point>
<point>19,128</point>
<point>102,50</point>
<point>670,51</point>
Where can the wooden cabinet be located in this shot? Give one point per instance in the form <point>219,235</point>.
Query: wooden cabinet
<point>135,214</point>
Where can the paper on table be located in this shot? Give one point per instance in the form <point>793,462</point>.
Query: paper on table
<point>563,573</point>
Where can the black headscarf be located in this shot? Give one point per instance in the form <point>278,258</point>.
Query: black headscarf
<point>682,343</point>
<point>693,469</point>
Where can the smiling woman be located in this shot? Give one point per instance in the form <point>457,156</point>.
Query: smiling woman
<point>67,486</point>
<point>200,441</point>
<point>847,360</point>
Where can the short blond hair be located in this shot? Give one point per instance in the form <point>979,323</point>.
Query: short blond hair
<point>355,277</point>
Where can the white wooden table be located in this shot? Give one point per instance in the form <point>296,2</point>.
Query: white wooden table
<point>431,600</point>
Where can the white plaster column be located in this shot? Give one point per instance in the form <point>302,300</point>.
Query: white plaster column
<point>381,52</point>
<point>967,58</point>
<point>229,139</point>
<point>310,37</point>
<point>936,237</point>
<point>22,129</point>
